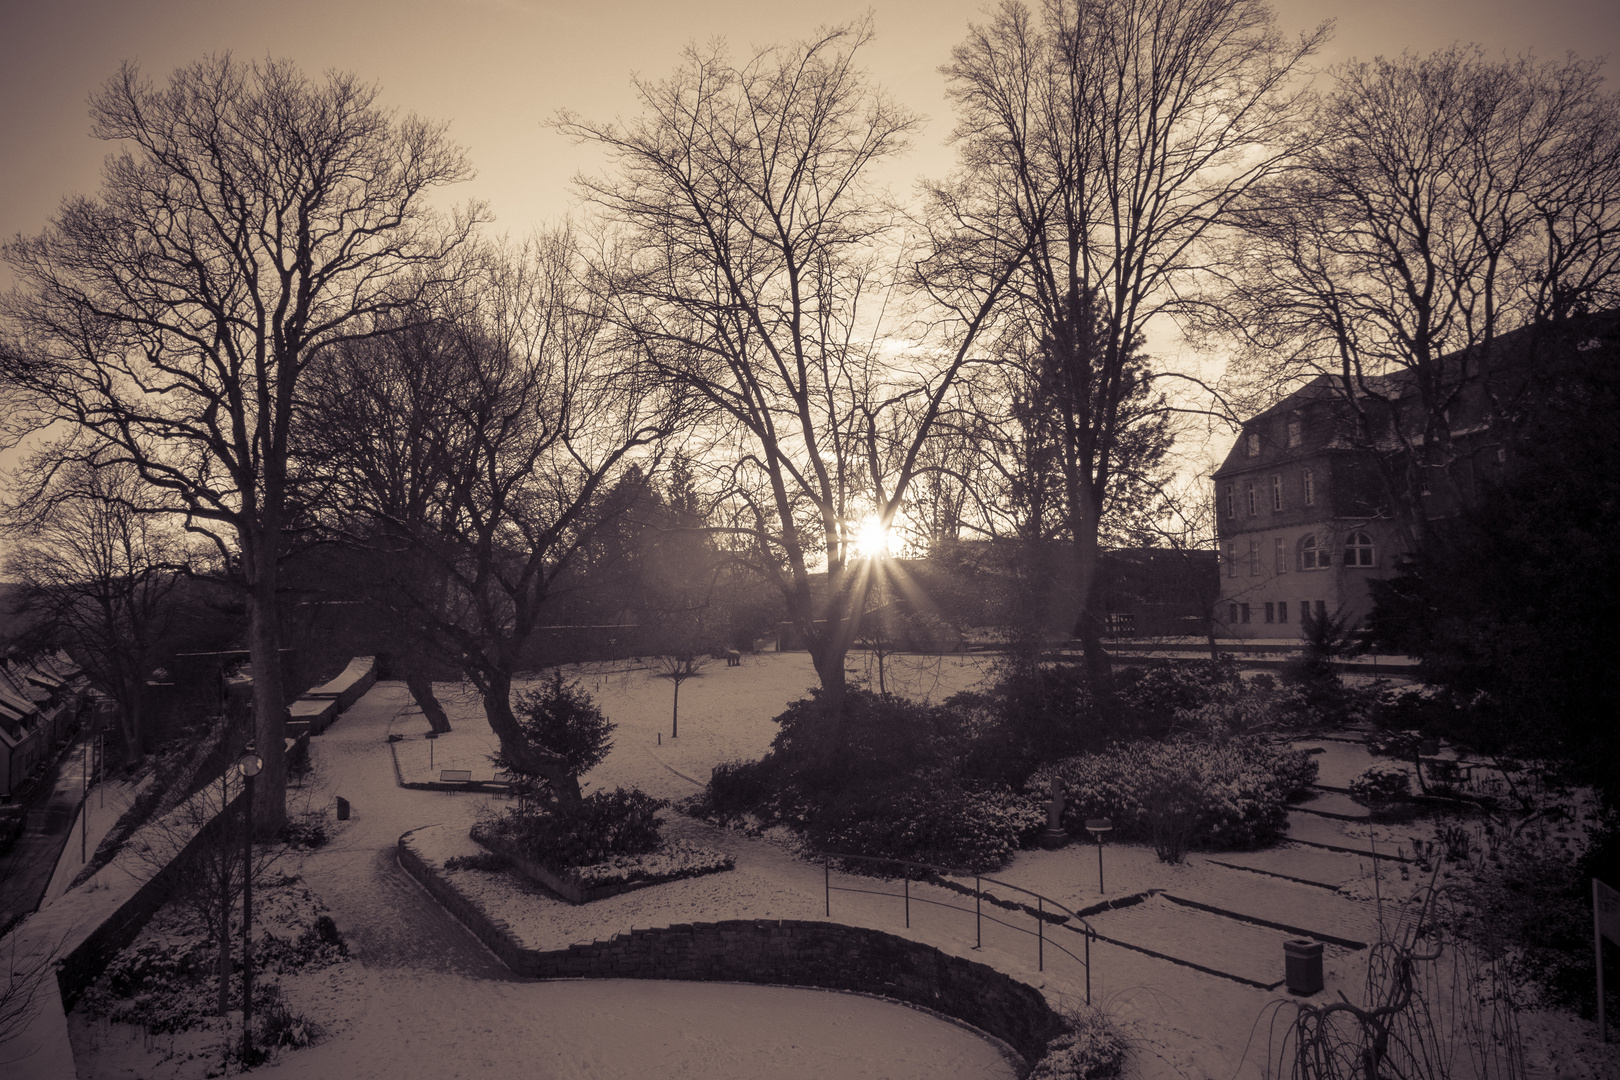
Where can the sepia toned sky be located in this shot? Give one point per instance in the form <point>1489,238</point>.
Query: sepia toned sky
<point>498,69</point>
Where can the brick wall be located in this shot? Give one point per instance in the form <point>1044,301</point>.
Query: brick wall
<point>784,952</point>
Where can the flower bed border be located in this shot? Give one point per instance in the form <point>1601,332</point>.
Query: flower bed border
<point>570,888</point>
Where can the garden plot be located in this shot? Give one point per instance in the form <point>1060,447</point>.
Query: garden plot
<point>1333,869</point>
<point>1334,804</point>
<point>1213,943</point>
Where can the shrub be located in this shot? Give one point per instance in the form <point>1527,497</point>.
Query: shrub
<point>306,830</point>
<point>671,862</point>
<point>882,736</point>
<point>1090,1050</point>
<point>1381,783</point>
<point>605,824</point>
<point>1184,792</point>
<point>1171,688</point>
<point>929,818</point>
<point>735,788</point>
<point>489,861</point>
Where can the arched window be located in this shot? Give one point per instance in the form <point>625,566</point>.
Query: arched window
<point>1358,550</point>
<point>1312,557</point>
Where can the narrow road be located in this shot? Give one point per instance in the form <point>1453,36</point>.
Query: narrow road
<point>25,870</point>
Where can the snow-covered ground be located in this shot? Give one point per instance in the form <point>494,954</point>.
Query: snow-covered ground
<point>420,999</point>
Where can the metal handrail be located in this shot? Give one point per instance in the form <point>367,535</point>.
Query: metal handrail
<point>978,905</point>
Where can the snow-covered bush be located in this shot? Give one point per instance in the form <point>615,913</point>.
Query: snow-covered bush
<point>1090,1050</point>
<point>606,824</point>
<point>675,860</point>
<point>734,789</point>
<point>1381,783</point>
<point>930,818</point>
<point>488,861</point>
<point>1184,792</point>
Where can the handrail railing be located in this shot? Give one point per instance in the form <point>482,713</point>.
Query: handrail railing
<point>1040,913</point>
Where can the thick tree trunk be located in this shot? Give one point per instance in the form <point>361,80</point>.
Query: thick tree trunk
<point>421,688</point>
<point>524,756</point>
<point>269,706</point>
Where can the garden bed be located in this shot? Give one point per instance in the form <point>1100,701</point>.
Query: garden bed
<point>673,861</point>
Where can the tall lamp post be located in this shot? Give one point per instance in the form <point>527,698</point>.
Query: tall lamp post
<point>1096,827</point>
<point>249,765</point>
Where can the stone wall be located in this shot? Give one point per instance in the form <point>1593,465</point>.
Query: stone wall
<point>785,952</point>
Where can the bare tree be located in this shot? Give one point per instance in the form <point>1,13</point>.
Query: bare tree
<point>1446,200</point>
<point>1112,139</point>
<point>472,452</point>
<point>96,576</point>
<point>254,217</point>
<point>756,270</point>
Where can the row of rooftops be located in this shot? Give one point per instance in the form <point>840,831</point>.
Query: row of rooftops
<point>30,688</point>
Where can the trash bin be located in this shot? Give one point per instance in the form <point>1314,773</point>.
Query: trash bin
<point>1302,966</point>
<point>343,815</point>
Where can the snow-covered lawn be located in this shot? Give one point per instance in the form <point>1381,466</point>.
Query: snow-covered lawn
<point>398,1008</point>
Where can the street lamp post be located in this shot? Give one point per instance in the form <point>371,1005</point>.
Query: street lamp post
<point>1096,827</point>
<point>249,766</point>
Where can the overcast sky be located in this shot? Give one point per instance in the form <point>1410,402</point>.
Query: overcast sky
<point>497,70</point>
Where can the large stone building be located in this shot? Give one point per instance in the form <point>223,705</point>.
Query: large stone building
<point>1306,500</point>
<point>1300,519</point>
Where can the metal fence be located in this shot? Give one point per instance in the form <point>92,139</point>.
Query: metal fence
<point>1046,909</point>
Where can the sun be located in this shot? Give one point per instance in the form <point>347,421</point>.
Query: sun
<point>871,539</point>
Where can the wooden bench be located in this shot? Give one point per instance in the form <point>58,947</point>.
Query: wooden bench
<point>455,776</point>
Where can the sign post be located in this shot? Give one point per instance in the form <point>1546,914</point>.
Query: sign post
<point>1605,924</point>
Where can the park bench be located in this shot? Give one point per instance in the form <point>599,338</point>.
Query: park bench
<point>455,776</point>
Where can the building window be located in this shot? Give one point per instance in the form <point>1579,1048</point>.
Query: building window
<point>1312,557</point>
<point>1253,443</point>
<point>1296,430</point>
<point>1231,558</point>
<point>1254,558</point>
<point>1276,493</point>
<point>1310,488</point>
<point>1232,614</point>
<point>1358,550</point>
<point>1501,455</point>
<point>1280,551</point>
<point>1249,498</point>
<point>1321,610</point>
<point>1243,612</point>
<point>1282,611</point>
<point>1271,612</point>
<point>1231,500</point>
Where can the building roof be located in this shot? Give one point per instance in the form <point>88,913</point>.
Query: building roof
<point>1328,423</point>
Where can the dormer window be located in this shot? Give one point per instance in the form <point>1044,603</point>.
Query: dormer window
<point>1253,443</point>
<point>1296,430</point>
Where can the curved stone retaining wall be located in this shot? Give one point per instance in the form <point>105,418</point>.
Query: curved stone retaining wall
<point>786,952</point>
